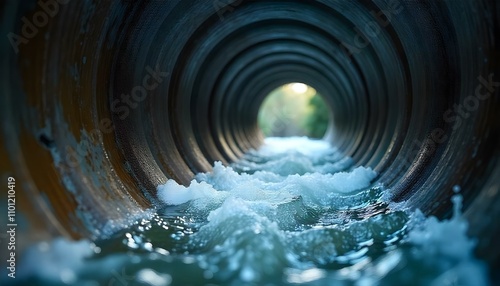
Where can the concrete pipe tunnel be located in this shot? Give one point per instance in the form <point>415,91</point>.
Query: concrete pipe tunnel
<point>105,100</point>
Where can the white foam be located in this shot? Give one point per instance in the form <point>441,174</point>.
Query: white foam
<point>56,261</point>
<point>445,245</point>
<point>174,194</point>
<point>152,278</point>
<point>225,182</point>
<point>447,237</point>
<point>240,239</point>
<point>294,212</point>
<point>288,171</point>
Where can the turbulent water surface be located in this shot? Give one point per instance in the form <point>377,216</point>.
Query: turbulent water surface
<point>294,212</point>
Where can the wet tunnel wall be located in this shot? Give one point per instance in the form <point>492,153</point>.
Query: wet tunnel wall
<point>104,100</point>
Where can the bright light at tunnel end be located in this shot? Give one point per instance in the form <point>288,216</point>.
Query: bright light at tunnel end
<point>294,109</point>
<point>299,88</point>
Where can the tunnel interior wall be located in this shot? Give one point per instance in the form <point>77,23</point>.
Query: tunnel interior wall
<point>105,100</point>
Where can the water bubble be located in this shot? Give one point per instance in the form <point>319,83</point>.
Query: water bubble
<point>189,260</point>
<point>97,249</point>
<point>305,276</point>
<point>247,274</point>
<point>161,251</point>
<point>147,246</point>
<point>43,246</point>
<point>153,278</point>
<point>207,274</point>
<point>68,276</point>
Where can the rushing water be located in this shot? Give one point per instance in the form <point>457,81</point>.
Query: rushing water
<point>294,212</point>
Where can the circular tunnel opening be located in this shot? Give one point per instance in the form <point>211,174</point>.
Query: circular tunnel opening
<point>103,106</point>
<point>294,109</point>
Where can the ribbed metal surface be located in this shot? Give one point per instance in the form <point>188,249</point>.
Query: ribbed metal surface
<point>109,99</point>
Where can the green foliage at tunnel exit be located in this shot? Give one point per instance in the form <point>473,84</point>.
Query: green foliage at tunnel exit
<point>294,109</point>
<point>317,121</point>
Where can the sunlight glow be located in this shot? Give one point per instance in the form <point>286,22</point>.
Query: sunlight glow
<point>298,87</point>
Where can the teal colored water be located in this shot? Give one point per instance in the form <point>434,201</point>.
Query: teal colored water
<point>294,212</point>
